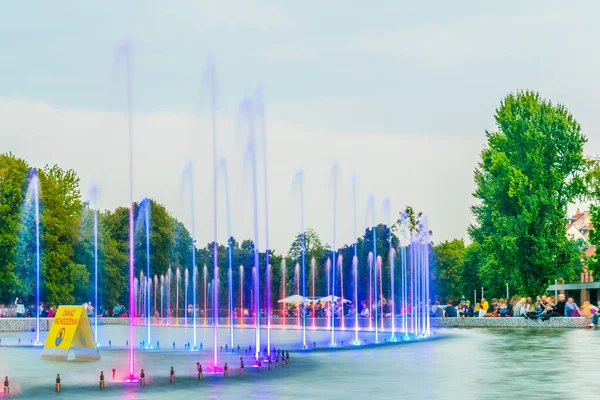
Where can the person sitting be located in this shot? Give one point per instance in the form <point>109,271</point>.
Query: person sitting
<point>483,307</point>
<point>589,311</point>
<point>571,309</point>
<point>549,310</point>
<point>364,312</point>
<point>467,310</point>
<point>595,317</point>
<point>509,307</point>
<point>351,311</point>
<point>437,311</point>
<point>450,310</point>
<point>493,309</point>
<point>503,310</point>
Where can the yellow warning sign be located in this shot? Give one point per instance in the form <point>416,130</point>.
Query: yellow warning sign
<point>70,332</point>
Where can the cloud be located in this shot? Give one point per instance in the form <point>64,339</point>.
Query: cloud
<point>431,174</point>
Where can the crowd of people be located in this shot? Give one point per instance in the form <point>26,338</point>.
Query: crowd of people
<point>544,308</point>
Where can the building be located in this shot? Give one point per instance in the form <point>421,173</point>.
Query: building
<point>578,229</point>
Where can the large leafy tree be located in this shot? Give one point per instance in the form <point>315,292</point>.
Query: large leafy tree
<point>530,170</point>
<point>593,182</point>
<point>61,215</point>
<point>448,269</point>
<point>13,173</point>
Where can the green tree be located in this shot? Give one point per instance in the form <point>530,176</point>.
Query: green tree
<point>13,184</point>
<point>61,213</point>
<point>593,184</point>
<point>448,269</point>
<point>530,170</point>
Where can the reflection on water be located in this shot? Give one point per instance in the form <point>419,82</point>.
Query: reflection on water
<point>465,364</point>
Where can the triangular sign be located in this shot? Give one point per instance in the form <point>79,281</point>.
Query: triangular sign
<point>70,332</point>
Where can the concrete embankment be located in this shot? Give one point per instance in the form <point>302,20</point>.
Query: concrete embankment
<point>29,324</point>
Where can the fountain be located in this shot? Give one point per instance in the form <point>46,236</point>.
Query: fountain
<point>205,272</point>
<point>372,201</point>
<point>259,111</point>
<point>32,200</point>
<point>297,282</point>
<point>246,110</point>
<point>223,171</point>
<point>283,305</point>
<point>355,272</point>
<point>299,185</point>
<point>185,296</point>
<point>313,269</point>
<point>242,295</point>
<point>94,200</point>
<point>340,263</point>
<point>334,173</point>
<point>188,176</point>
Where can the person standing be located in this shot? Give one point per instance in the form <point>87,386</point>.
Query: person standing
<point>20,308</point>
<point>560,306</point>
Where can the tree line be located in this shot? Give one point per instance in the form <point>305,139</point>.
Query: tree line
<point>68,249</point>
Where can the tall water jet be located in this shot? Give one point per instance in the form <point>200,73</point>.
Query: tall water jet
<point>205,272</point>
<point>335,172</point>
<point>188,175</point>
<point>196,307</point>
<point>424,257</point>
<point>341,268</point>
<point>380,302</point>
<point>169,280</point>
<point>185,304</point>
<point>162,294</point>
<point>247,111</point>
<point>403,244</point>
<point>259,110</point>
<point>177,279</point>
<point>387,209</point>
<point>242,315</point>
<point>313,269</point>
<point>146,206</point>
<point>370,263</point>
<point>355,258</point>
<point>355,272</point>
<point>33,195</point>
<point>299,184</point>
<point>210,76</point>
<point>392,291</point>
<point>223,170</point>
<point>297,281</point>
<point>283,305</point>
<point>328,274</point>
<point>155,296</point>
<point>124,52</point>
<point>94,200</point>
<point>372,201</point>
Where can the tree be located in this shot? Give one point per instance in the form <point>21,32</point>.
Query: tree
<point>313,243</point>
<point>13,173</point>
<point>530,170</point>
<point>448,269</point>
<point>62,206</point>
<point>593,194</point>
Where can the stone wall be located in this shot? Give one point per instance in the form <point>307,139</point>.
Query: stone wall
<point>28,324</point>
<point>517,322</point>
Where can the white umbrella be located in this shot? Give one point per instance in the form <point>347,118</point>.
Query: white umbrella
<point>335,299</point>
<point>294,299</point>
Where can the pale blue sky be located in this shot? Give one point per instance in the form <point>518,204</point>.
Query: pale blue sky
<point>421,78</point>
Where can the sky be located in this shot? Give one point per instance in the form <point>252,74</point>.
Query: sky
<point>398,94</point>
